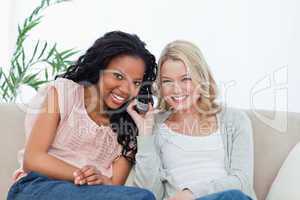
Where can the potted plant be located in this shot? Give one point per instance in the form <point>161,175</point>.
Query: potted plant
<point>23,68</point>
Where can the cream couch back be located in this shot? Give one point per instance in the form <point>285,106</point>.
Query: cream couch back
<point>275,134</point>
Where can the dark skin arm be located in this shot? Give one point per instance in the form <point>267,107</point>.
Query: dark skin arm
<point>36,157</point>
<point>91,175</point>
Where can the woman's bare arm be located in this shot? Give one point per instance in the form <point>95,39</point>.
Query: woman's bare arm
<point>121,170</point>
<point>36,157</point>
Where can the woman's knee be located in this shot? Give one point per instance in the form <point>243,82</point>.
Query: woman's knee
<point>124,192</point>
<point>226,195</point>
<point>238,194</point>
<point>142,194</point>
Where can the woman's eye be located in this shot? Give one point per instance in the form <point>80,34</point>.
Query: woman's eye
<point>187,79</point>
<point>118,76</point>
<point>166,81</point>
<point>137,83</point>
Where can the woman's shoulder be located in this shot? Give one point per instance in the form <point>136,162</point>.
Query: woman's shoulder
<point>235,121</point>
<point>66,91</point>
<point>66,87</point>
<point>233,114</point>
<point>65,82</point>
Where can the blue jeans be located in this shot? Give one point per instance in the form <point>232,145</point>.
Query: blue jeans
<point>35,186</point>
<point>226,195</point>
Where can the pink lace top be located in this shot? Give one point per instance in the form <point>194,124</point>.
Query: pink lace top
<point>79,140</point>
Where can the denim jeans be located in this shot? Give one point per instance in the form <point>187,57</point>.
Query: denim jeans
<point>226,195</point>
<point>35,186</point>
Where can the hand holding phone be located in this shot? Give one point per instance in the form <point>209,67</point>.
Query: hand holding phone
<point>142,112</point>
<point>143,100</point>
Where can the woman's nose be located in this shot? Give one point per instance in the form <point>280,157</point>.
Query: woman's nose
<point>124,87</point>
<point>128,88</point>
<point>177,88</point>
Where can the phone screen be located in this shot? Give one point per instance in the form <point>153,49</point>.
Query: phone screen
<point>143,100</point>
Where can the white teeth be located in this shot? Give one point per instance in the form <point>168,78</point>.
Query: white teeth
<point>179,98</point>
<point>118,97</point>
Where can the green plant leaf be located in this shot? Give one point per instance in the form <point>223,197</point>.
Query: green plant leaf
<point>27,26</point>
<point>9,87</point>
<point>31,25</point>
<point>19,68</point>
<point>19,71</point>
<point>5,92</point>
<point>35,12</point>
<point>36,84</point>
<point>58,57</point>
<point>15,57</point>
<point>43,50</point>
<point>68,53</point>
<point>23,57</point>
<point>19,29</point>
<point>1,74</point>
<point>34,51</point>
<point>46,74</point>
<point>51,51</point>
<point>13,79</point>
<point>29,78</point>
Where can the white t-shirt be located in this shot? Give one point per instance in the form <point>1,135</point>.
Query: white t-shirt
<point>191,160</point>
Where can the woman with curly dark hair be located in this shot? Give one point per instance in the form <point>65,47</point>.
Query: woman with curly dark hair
<point>81,142</point>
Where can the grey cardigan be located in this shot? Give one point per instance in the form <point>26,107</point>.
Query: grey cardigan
<point>236,131</point>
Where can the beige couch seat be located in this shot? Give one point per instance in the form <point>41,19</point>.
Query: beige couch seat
<point>275,134</point>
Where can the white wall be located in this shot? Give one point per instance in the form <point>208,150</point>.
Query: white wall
<point>251,46</point>
<point>5,11</point>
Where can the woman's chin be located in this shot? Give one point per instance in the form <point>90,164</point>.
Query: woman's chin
<point>111,106</point>
<point>181,108</point>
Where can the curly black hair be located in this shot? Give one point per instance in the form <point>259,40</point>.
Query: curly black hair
<point>88,67</point>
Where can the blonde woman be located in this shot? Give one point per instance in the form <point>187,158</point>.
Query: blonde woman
<point>192,148</point>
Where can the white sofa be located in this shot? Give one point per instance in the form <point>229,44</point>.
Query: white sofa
<point>271,145</point>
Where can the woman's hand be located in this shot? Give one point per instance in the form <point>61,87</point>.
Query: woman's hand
<point>90,175</point>
<point>183,195</point>
<point>145,121</point>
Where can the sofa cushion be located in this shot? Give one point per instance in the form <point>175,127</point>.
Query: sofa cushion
<point>12,140</point>
<point>270,145</point>
<point>275,135</point>
<point>286,184</point>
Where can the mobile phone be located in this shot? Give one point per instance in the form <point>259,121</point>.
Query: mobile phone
<point>143,100</point>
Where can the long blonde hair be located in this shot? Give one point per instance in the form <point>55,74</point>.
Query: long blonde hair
<point>193,59</point>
